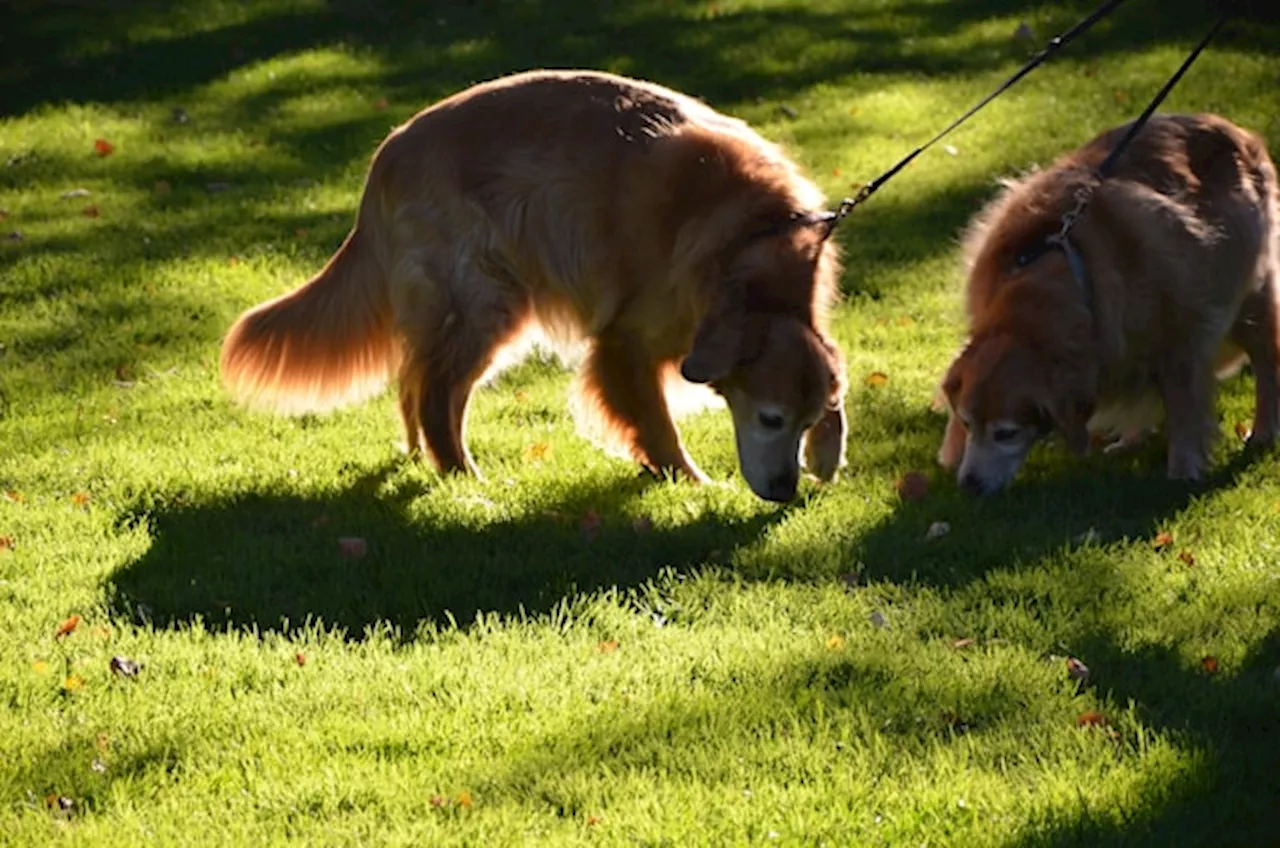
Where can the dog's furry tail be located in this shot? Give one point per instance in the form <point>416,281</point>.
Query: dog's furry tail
<point>329,343</point>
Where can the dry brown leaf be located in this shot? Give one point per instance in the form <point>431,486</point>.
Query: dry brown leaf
<point>103,147</point>
<point>1188,558</point>
<point>1209,665</point>
<point>1162,541</point>
<point>1091,719</point>
<point>353,547</point>
<point>124,667</point>
<point>90,211</point>
<point>1242,431</point>
<point>6,543</point>
<point>608,646</point>
<point>438,801</point>
<point>593,820</point>
<point>876,379</point>
<point>67,627</point>
<point>961,644</point>
<point>17,497</point>
<point>1077,670</point>
<point>80,499</point>
<point>913,486</point>
<point>381,104</point>
<point>300,658</point>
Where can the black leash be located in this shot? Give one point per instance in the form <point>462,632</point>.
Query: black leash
<point>1061,239</point>
<point>832,219</point>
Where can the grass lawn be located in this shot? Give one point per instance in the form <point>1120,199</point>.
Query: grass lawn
<point>566,653</point>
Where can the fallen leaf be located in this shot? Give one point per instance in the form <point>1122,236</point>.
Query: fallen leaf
<point>876,379</point>
<point>381,104</point>
<point>1209,665</point>
<point>80,499</point>
<point>67,627</point>
<point>438,801</point>
<point>124,667</point>
<point>300,658</point>
<point>1121,97</point>
<point>353,547</point>
<point>233,261</point>
<point>103,147</point>
<point>1091,719</point>
<point>593,820</point>
<point>102,742</point>
<point>608,646</point>
<point>73,683</point>
<point>961,644</point>
<point>1162,541</point>
<point>6,543</point>
<point>1188,558</point>
<point>90,211</point>
<point>1242,431</point>
<point>1077,670</point>
<point>75,192</point>
<point>590,523</point>
<point>537,451</point>
<point>464,800</point>
<point>14,497</point>
<point>3,214</point>
<point>937,530</point>
<point>162,187</point>
<point>835,642</point>
<point>913,486</point>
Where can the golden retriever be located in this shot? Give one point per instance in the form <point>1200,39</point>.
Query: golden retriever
<point>1179,251</point>
<point>587,205</point>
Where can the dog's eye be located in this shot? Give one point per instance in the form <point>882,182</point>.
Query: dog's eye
<point>1005,434</point>
<point>772,421</point>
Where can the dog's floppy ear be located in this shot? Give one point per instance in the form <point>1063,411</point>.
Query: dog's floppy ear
<point>719,342</point>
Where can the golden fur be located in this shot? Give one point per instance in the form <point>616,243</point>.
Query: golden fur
<point>590,206</point>
<point>1182,249</point>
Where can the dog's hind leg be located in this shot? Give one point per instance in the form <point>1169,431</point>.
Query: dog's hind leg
<point>627,386</point>
<point>1257,331</point>
<point>450,344</point>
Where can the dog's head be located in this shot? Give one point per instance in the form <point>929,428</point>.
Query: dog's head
<point>1009,394</point>
<point>784,384</point>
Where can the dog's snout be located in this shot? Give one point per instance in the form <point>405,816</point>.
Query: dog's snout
<point>782,487</point>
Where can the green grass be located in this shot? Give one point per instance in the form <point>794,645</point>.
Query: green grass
<point>566,653</point>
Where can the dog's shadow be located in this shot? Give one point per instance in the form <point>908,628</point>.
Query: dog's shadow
<point>367,556</point>
<point>1059,504</point>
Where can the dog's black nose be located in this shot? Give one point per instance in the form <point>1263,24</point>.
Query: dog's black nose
<point>782,487</point>
<point>971,484</point>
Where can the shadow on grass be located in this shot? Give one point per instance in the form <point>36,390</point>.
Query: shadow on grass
<point>81,51</point>
<point>1232,798</point>
<point>274,562</point>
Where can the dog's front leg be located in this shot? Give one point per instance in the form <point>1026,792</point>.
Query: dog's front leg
<point>627,385</point>
<point>1186,384</point>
